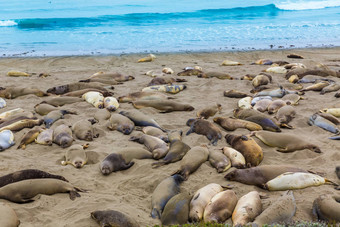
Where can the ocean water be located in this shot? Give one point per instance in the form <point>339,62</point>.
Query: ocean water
<point>87,27</point>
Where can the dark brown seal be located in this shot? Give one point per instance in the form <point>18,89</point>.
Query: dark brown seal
<point>62,136</point>
<point>113,218</point>
<point>204,127</point>
<point>114,162</point>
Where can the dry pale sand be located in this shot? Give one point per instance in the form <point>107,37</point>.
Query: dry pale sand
<point>130,191</point>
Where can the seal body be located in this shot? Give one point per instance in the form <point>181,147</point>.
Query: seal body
<point>111,103</point>
<point>155,145</point>
<point>204,127</point>
<point>234,94</point>
<point>262,105</point>
<point>14,92</point>
<point>9,113</point>
<point>84,130</point>
<point>164,105</point>
<point>114,162</point>
<point>236,158</point>
<point>20,123</point>
<point>121,123</point>
<point>285,114</point>
<point>112,76</point>
<point>172,89</point>
<point>94,98</point>
<point>102,115</point>
<point>164,191</point>
<point>2,103</point>
<point>140,95</point>
<point>113,218</point>
<point>156,132</point>
<point>130,153</point>
<point>63,100</point>
<point>8,217</point>
<point>323,123</point>
<point>275,106</point>
<point>6,139</point>
<point>176,210</point>
<point>44,108</point>
<point>45,137</point>
<point>219,161</point>
<point>327,208</point>
<point>241,215</point>
<point>231,124</point>
<point>54,116</point>
<point>29,137</point>
<point>209,111</point>
<point>244,103</point>
<point>140,119</point>
<point>62,89</point>
<point>62,136</point>
<point>76,156</point>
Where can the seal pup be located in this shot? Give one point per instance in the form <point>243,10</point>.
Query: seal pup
<point>192,72</point>
<point>140,119</point>
<point>6,139</point>
<point>27,174</point>
<point>29,137</point>
<point>323,123</point>
<point>201,199</point>
<point>249,202</point>
<point>262,105</point>
<point>231,124</point>
<point>247,146</point>
<point>244,103</point>
<point>17,74</point>
<point>62,135</point>
<point>261,79</point>
<point>176,210</point>
<point>80,93</point>
<point>94,98</point>
<point>114,162</point>
<point>317,87</point>
<point>330,117</point>
<point>260,175</point>
<point>230,63</point>
<point>54,116</point>
<point>8,217</point>
<point>219,161</point>
<point>155,145</point>
<point>218,75</point>
<point>192,160</point>
<point>102,115</point>
<point>84,130</point>
<point>76,156</point>
<point>148,58</point>
<point>9,113</point>
<point>334,111</point>
<point>45,137</point>
<point>164,191</point>
<point>220,207</point>
<point>20,123</point>
<point>327,208</point>
<point>165,106</point>
<point>209,111</point>
<point>43,108</point>
<point>206,128</point>
<point>120,123</point>
<point>330,88</point>
<point>113,218</point>
<point>172,89</point>
<point>276,105</point>
<point>281,211</point>
<point>23,191</point>
<point>176,152</point>
<point>111,103</point>
<point>285,114</point>
<point>236,158</point>
<point>15,92</point>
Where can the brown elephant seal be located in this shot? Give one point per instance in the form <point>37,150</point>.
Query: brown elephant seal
<point>209,111</point>
<point>131,153</point>
<point>176,152</point>
<point>260,175</point>
<point>249,202</point>
<point>156,132</point>
<point>204,127</point>
<point>221,207</point>
<point>281,211</point>
<point>115,76</point>
<point>247,146</point>
<point>262,105</point>
<point>76,156</point>
<point>262,79</point>
<point>84,130</point>
<point>176,210</point>
<point>218,75</point>
<point>234,94</point>
<point>80,93</point>
<point>23,191</point>
<point>45,137</point>
<point>285,114</point>
<point>285,142</point>
<point>161,80</point>
<point>8,217</point>
<point>43,108</point>
<point>276,105</point>
<point>292,98</point>
<point>62,135</point>
<point>62,89</point>
<point>14,92</point>
<point>330,88</point>
<point>192,72</point>
<point>219,161</point>
<point>165,106</point>
<point>63,100</point>
<point>236,158</point>
<point>231,124</point>
<point>54,116</point>
<point>102,81</point>
<point>164,191</point>
<point>114,162</point>
<point>316,87</point>
<point>155,145</point>
<point>121,124</point>
<point>113,218</point>
<point>143,95</point>
<point>193,159</point>
<point>327,208</point>
<point>29,137</point>
<point>140,119</point>
<point>102,115</point>
<point>20,123</point>
<point>27,174</point>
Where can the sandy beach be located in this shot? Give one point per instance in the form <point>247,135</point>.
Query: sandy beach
<point>130,191</point>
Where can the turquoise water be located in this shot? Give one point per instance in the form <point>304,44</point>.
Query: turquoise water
<point>74,27</point>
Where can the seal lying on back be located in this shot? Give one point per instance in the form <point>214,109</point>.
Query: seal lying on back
<point>285,142</point>
<point>8,217</point>
<point>23,191</point>
<point>14,92</point>
<point>140,119</point>
<point>25,175</point>
<point>260,175</point>
<point>6,139</point>
<point>204,127</point>
<point>114,162</point>
<point>164,105</point>
<point>327,208</point>
<point>113,218</point>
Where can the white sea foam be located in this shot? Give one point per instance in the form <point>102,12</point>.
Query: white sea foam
<point>7,23</point>
<point>307,5</point>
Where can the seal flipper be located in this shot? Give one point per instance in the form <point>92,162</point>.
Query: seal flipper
<point>74,194</point>
<point>126,166</point>
<point>155,213</point>
<point>158,164</point>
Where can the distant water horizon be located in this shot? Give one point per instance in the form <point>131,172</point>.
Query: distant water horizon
<point>59,28</point>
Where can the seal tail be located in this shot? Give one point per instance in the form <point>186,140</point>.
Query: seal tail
<point>330,182</point>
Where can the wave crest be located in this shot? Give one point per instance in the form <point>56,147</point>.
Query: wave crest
<point>7,23</point>
<point>307,5</point>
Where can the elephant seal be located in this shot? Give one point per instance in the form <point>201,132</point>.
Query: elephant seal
<point>8,217</point>
<point>7,114</point>
<point>27,174</point>
<point>221,207</point>
<point>236,158</point>
<point>6,139</point>
<point>161,80</point>
<point>172,89</point>
<point>156,132</point>
<point>80,93</point>
<point>29,137</point>
<point>76,156</point>
<point>84,130</point>
<point>165,106</point>
<point>20,123</point>
<point>131,153</point>
<point>330,117</point>
<point>176,210</point>
<point>201,199</point>
<point>62,89</point>
<point>164,191</point>
<point>327,208</point>
<point>102,115</point>
<point>2,103</point>
<point>111,103</point>
<point>262,105</point>
<point>262,79</point>
<point>285,142</point>
<point>219,161</point>
<point>94,98</point>
<point>285,114</point>
<point>14,92</point>
<point>193,159</point>
<point>100,80</point>
<point>330,88</point>
<point>176,151</point>
<point>281,211</point>
<point>45,137</point>
<point>251,151</point>
<point>62,135</point>
<point>204,127</point>
<point>276,105</point>
<point>114,162</point>
<point>317,87</point>
<point>112,76</point>
<point>23,191</point>
<point>244,103</point>
<point>231,124</point>
<point>140,119</point>
<point>218,75</point>
<point>140,95</point>
<point>63,100</point>
<point>113,218</point>
<point>292,98</point>
<point>155,145</point>
<point>43,108</point>
<point>260,175</point>
<point>121,123</point>
<point>230,63</point>
<point>54,116</point>
<point>323,123</point>
<point>192,72</point>
<point>234,94</point>
<point>209,111</point>
<point>249,202</point>
<point>17,73</point>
